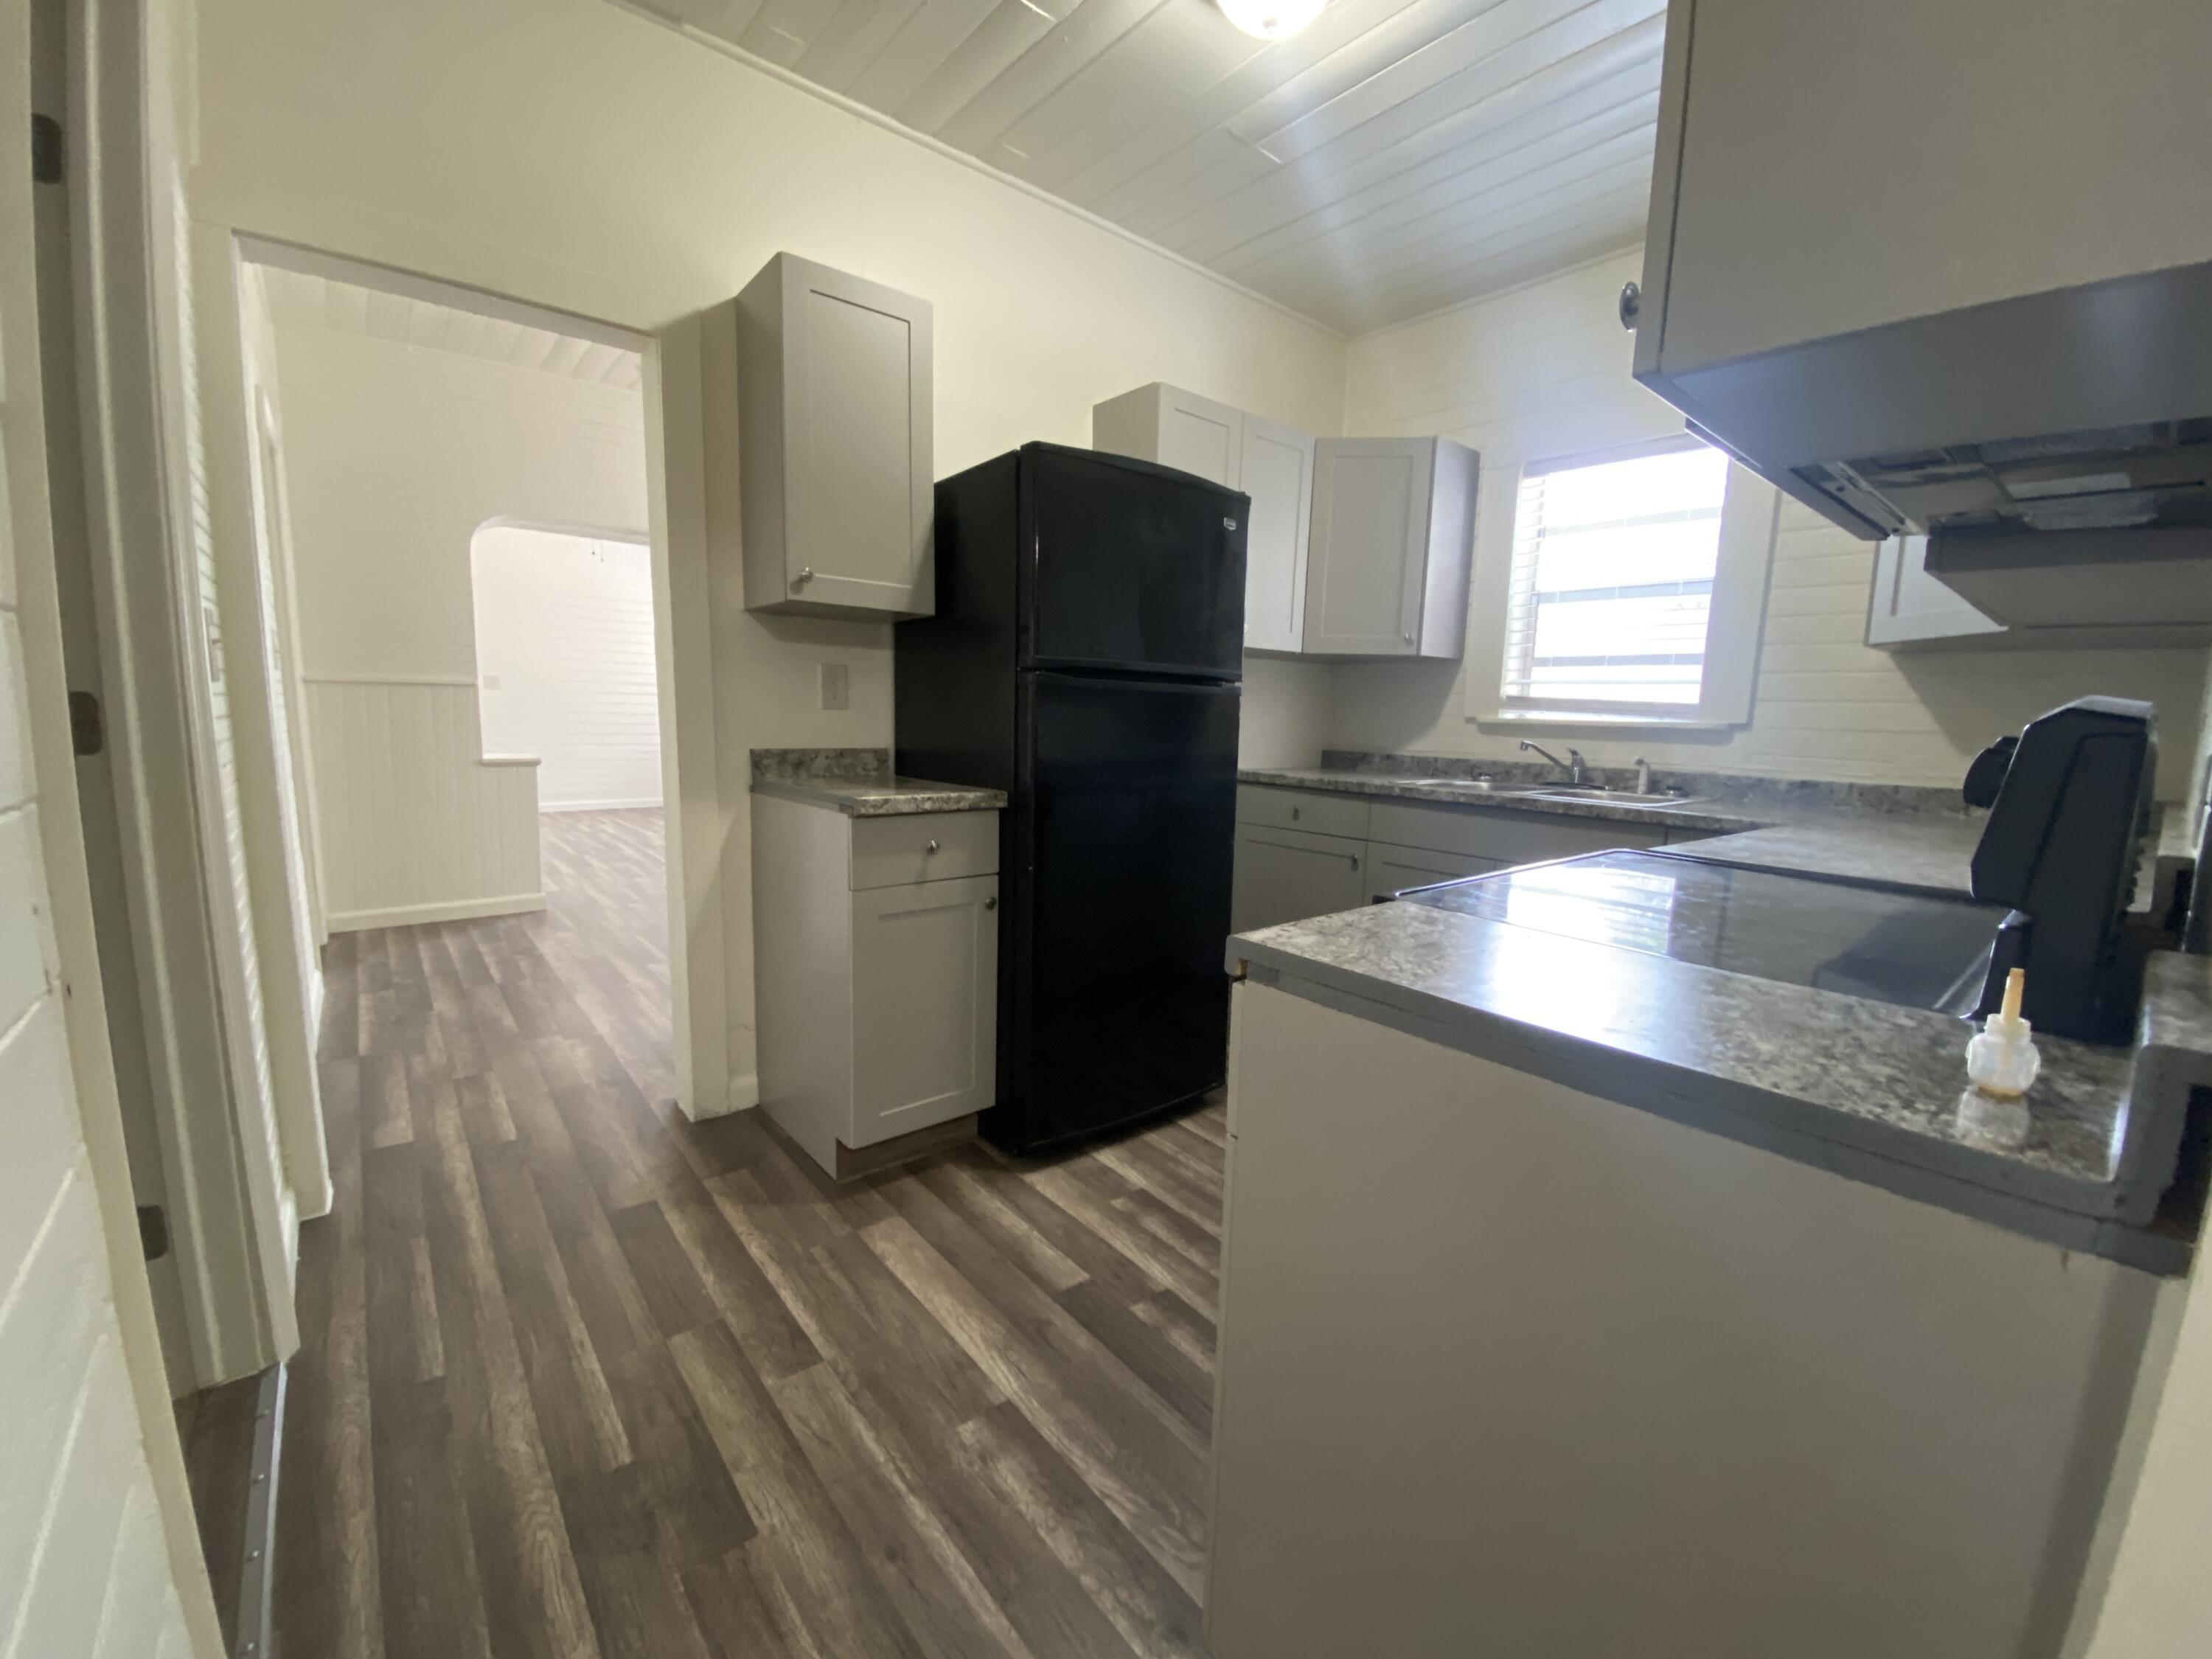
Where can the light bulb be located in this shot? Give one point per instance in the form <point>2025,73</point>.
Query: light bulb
<point>1272,20</point>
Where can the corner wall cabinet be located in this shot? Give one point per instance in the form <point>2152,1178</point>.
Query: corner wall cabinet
<point>877,964</point>
<point>1910,607</point>
<point>1271,463</point>
<point>1393,535</point>
<point>834,444</point>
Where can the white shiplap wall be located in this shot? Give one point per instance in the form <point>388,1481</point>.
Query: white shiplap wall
<point>564,659</point>
<point>1544,371</point>
<point>395,455</point>
<point>83,1565</point>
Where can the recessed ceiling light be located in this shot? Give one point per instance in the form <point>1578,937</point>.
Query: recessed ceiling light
<point>1272,20</point>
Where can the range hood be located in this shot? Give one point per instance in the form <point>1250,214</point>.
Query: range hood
<point>1957,283</point>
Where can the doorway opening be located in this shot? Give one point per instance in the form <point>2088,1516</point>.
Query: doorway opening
<point>460,487</point>
<point>567,678</point>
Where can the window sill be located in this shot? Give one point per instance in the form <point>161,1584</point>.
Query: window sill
<point>1583,720</point>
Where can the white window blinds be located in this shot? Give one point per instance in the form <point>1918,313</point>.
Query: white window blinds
<point>1612,581</point>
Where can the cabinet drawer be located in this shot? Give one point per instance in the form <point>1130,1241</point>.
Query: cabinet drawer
<point>1302,809</point>
<point>923,847</point>
<point>1508,837</point>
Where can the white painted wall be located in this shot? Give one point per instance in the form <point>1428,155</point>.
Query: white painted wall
<point>398,454</point>
<point>489,181</point>
<point>1544,371</point>
<point>565,667</point>
<point>395,456</point>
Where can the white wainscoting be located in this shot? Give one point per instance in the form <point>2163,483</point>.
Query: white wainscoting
<point>416,824</point>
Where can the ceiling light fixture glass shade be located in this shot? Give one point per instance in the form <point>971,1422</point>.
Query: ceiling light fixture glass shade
<point>1272,20</point>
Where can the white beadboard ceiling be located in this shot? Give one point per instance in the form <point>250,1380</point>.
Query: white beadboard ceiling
<point>321,301</point>
<point>1396,157</point>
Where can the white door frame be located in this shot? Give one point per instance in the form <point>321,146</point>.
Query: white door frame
<point>23,497</point>
<point>232,1225</point>
<point>682,618</point>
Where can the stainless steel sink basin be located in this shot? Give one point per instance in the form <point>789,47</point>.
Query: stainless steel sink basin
<point>1615,797</point>
<point>1472,785</point>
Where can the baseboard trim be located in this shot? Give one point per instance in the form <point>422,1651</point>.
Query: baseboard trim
<point>404,915</point>
<point>598,805</point>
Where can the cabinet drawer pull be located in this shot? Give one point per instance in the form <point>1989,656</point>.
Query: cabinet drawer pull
<point>805,576</point>
<point>1296,812</point>
<point>991,903</point>
<point>1354,857</point>
<point>932,847</point>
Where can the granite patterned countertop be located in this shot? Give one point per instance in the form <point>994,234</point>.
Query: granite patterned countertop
<point>884,796</point>
<point>1870,1090</point>
<point>1903,836</point>
<point>859,783</point>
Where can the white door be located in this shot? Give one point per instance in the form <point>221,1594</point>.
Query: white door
<point>1287,875</point>
<point>1368,556</point>
<point>1909,606</point>
<point>1276,466</point>
<point>1202,437</point>
<point>925,1005</point>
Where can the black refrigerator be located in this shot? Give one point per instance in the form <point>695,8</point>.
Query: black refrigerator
<point>1085,657</point>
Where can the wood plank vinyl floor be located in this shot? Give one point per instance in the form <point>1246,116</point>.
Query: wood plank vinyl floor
<point>581,1377</point>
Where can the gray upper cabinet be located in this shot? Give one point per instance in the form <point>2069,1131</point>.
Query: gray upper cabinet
<point>1886,228</point>
<point>1271,463</point>
<point>1910,607</point>
<point>834,444</point>
<point>1393,533</point>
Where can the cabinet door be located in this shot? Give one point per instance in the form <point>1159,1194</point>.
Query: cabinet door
<point>1287,875</point>
<point>1393,869</point>
<point>858,474</point>
<point>1202,437</point>
<point>1910,606</point>
<point>1277,473</point>
<point>1368,561</point>
<point>925,1005</point>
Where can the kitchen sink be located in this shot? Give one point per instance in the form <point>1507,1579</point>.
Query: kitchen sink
<point>1473,786</point>
<point>1615,797</point>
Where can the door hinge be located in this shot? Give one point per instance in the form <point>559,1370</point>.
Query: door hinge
<point>153,1230</point>
<point>88,724</point>
<point>45,150</point>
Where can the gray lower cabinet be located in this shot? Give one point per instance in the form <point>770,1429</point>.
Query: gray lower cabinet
<point>1305,853</point>
<point>1393,869</point>
<point>1285,875</point>
<point>876,958</point>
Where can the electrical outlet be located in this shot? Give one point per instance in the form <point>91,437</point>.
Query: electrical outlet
<point>836,686</point>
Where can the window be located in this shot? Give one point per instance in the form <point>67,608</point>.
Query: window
<point>1611,589</point>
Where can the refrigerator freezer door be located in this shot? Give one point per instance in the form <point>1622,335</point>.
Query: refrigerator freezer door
<point>1136,567</point>
<point>1122,844</point>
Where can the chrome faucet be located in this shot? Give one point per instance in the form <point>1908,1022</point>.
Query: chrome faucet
<point>1577,772</point>
<point>1643,776</point>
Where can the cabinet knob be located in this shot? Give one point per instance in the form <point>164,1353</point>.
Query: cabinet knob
<point>1355,860</point>
<point>1296,812</point>
<point>1632,305</point>
<point>1408,638</point>
<point>991,903</point>
<point>932,847</point>
<point>805,575</point>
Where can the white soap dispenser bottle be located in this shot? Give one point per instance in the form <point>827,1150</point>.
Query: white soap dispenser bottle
<point>2002,1060</point>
